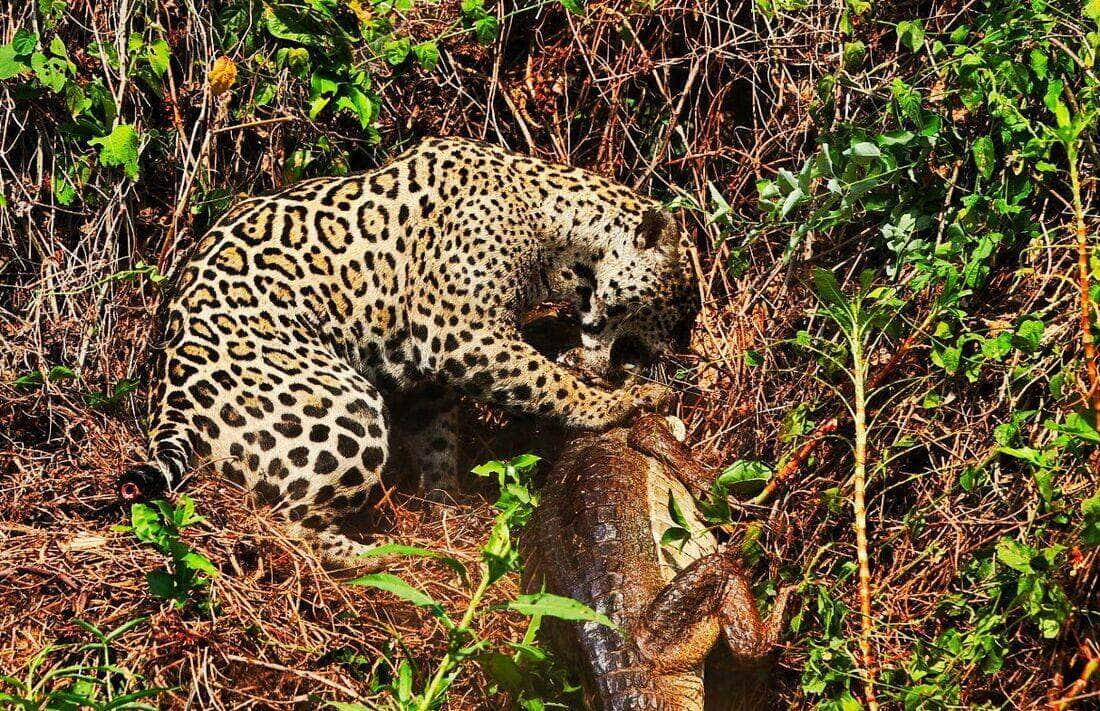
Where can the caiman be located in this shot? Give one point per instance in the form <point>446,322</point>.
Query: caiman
<point>596,537</point>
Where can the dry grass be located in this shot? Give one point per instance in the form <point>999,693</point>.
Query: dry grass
<point>739,86</point>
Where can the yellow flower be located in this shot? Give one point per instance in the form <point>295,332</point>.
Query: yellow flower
<point>222,75</point>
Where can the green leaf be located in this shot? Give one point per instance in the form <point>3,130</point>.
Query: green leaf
<point>524,462</point>
<point>60,372</point>
<point>563,608</point>
<point>503,670</point>
<point>997,348</point>
<point>1028,454</point>
<point>10,64</point>
<point>161,584</point>
<point>1028,335</point>
<point>858,7</point>
<point>911,34</point>
<point>1091,9</point>
<point>404,681</point>
<point>286,22</point>
<point>745,477</point>
<point>157,53</point>
<point>1077,426</point>
<point>498,552</point>
<point>853,55</point>
<point>948,358</point>
<point>1039,62</point>
<point>863,152</point>
<point>401,549</point>
<point>120,148</point>
<point>358,103</point>
<point>146,525</point>
<point>674,511</point>
<point>1015,555</point>
<point>745,470</point>
<point>984,156</point>
<point>971,477</point>
<point>57,48</point>
<point>427,55</point>
<point>396,51</point>
<point>24,41</point>
<point>396,586</point>
<point>828,290</point>
<point>573,6</point>
<point>675,535</point>
<point>791,202</point>
<point>52,72</point>
<point>1044,482</point>
<point>200,563</point>
<point>1090,514</point>
<point>489,468</point>
<point>486,29</point>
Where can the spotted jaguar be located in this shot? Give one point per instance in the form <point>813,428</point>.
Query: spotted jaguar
<point>304,321</point>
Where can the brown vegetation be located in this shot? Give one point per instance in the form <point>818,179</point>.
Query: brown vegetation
<point>677,99</point>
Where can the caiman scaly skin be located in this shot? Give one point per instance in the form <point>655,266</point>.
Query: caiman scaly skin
<point>595,537</point>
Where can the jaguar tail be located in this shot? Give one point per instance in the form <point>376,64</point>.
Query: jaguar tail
<point>161,473</point>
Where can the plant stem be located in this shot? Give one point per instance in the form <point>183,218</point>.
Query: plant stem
<point>859,382</point>
<point>799,456</point>
<point>1092,398</point>
<point>436,686</point>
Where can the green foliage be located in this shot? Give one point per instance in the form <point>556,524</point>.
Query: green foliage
<point>119,148</point>
<point>942,172</point>
<point>830,668</point>
<point>44,64</point>
<point>328,45</point>
<point>114,395</point>
<point>528,671</point>
<point>485,25</point>
<point>680,532</point>
<point>38,377</point>
<point>188,572</point>
<point>78,675</point>
<point>331,48</point>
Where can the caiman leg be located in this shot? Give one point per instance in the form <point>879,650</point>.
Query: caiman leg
<point>712,595</point>
<point>682,623</point>
<point>750,646</point>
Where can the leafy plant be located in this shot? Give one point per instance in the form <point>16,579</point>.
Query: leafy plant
<point>113,396</point>
<point>942,172</point>
<point>188,573</point>
<point>78,675</point>
<point>498,558</point>
<point>38,377</point>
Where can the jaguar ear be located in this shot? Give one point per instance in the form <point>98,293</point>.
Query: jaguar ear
<point>657,229</point>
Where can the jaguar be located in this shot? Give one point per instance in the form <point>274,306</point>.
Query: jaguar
<point>310,325</point>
